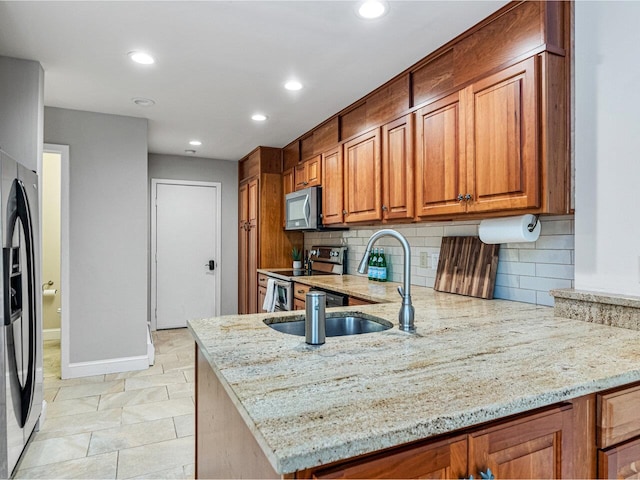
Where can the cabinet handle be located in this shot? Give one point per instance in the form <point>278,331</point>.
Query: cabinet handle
<point>460,197</point>
<point>384,208</point>
<point>300,291</point>
<point>344,212</point>
<point>468,197</point>
<point>305,183</point>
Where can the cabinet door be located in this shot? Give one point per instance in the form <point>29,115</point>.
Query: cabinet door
<point>535,446</point>
<point>243,220</point>
<point>397,169</point>
<point>299,304</point>
<point>332,187</point>
<point>363,178</point>
<point>262,293</point>
<point>440,157</point>
<point>442,459</point>
<point>252,246</point>
<point>313,169</point>
<point>622,461</point>
<point>300,176</point>
<point>502,154</point>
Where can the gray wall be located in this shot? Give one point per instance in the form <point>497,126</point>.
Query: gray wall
<point>108,231</point>
<point>170,167</point>
<point>21,110</point>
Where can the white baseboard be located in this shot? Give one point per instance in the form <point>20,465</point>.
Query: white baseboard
<point>101,367</point>
<point>51,334</point>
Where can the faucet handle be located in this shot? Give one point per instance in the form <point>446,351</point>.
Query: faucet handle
<point>401,291</point>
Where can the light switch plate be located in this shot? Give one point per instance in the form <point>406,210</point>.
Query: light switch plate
<point>424,260</point>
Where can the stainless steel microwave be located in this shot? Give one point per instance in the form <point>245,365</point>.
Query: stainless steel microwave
<point>303,209</point>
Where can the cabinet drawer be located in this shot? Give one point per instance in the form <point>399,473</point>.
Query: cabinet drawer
<point>622,461</point>
<point>262,280</point>
<point>300,291</point>
<point>353,301</point>
<point>618,417</point>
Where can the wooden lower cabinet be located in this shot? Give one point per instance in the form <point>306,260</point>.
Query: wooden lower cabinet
<point>443,459</point>
<point>262,294</point>
<point>536,445</point>
<point>622,461</point>
<point>353,301</point>
<point>618,433</point>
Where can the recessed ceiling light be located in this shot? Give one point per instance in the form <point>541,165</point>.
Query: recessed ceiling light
<point>141,57</point>
<point>143,102</point>
<point>259,117</point>
<point>190,152</point>
<point>372,9</point>
<point>293,85</point>
<point>195,143</point>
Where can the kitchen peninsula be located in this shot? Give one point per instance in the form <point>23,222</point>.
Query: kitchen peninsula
<point>268,405</point>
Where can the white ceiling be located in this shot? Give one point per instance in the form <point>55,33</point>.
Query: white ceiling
<point>218,62</point>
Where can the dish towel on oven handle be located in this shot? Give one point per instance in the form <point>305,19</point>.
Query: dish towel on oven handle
<point>269,304</point>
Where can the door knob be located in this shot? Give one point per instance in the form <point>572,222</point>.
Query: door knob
<point>211,264</point>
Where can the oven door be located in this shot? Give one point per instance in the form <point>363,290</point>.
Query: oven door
<point>284,295</point>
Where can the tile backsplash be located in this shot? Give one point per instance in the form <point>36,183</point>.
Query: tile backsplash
<point>526,271</point>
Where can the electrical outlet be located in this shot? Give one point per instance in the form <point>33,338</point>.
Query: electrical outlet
<point>424,260</point>
<point>435,258</point>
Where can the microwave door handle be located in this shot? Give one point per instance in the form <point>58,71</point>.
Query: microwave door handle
<point>307,208</point>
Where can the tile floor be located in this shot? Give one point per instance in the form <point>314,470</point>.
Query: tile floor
<point>123,425</point>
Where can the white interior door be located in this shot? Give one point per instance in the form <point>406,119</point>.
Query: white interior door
<point>186,239</point>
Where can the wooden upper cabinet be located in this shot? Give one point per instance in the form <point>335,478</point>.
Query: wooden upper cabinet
<point>397,169</point>
<point>309,173</point>
<point>440,157</point>
<point>502,141</point>
<point>332,187</point>
<point>363,178</point>
<point>536,446</point>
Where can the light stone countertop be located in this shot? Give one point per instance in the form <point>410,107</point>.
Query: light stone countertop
<point>471,361</point>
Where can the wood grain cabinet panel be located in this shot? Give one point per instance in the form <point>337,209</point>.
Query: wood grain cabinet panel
<point>300,291</point>
<point>243,250</point>
<point>363,178</point>
<point>262,294</point>
<point>309,173</point>
<point>443,459</point>
<point>618,416</point>
<point>288,186</point>
<point>299,304</point>
<point>397,169</point>
<point>622,461</point>
<point>535,446</point>
<point>332,187</point>
<point>441,160</point>
<point>502,140</point>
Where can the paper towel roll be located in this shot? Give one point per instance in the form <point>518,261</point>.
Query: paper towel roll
<point>50,292</point>
<point>509,229</point>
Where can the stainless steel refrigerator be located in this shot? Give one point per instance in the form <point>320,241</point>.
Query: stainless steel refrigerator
<point>20,311</point>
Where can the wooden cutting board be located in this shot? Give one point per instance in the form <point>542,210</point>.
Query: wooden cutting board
<point>467,267</point>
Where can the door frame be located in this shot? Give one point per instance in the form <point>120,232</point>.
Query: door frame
<point>218,251</point>
<point>65,282</point>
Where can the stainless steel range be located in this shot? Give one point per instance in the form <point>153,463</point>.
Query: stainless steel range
<point>323,260</point>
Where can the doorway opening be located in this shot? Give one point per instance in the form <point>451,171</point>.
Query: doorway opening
<point>54,208</point>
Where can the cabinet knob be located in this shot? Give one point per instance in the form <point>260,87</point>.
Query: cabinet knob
<point>305,183</point>
<point>384,208</point>
<point>344,212</point>
<point>467,197</point>
<point>460,197</point>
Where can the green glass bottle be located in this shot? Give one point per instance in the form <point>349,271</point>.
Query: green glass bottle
<point>372,260</point>
<point>374,265</point>
<point>382,266</point>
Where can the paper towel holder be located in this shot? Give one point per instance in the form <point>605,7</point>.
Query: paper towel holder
<point>531,227</point>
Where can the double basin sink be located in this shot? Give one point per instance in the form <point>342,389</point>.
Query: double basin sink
<point>337,324</point>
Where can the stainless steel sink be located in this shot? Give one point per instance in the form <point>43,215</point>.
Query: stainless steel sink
<point>337,324</point>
